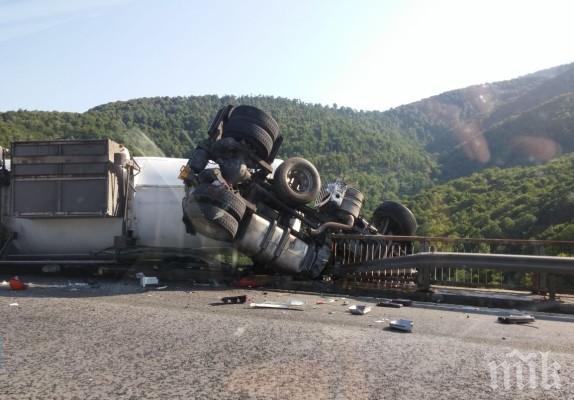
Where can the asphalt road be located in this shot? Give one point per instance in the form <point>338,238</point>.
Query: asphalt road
<point>116,341</point>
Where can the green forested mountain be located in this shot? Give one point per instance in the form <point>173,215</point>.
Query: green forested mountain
<point>519,202</point>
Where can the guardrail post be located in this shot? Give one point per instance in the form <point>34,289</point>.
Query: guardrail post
<point>424,278</point>
<point>552,286</point>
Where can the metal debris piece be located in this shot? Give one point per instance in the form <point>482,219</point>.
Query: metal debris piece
<point>359,309</point>
<point>390,304</point>
<point>403,325</point>
<point>289,305</point>
<point>148,280</point>
<point>516,319</point>
<point>234,299</point>
<point>403,302</point>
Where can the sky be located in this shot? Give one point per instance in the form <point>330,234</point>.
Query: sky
<point>70,55</point>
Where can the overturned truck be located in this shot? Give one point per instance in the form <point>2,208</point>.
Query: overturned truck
<point>282,218</point>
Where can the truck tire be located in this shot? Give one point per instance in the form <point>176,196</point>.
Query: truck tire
<point>211,221</point>
<point>392,218</point>
<point>258,117</point>
<point>222,198</point>
<point>296,181</point>
<point>253,134</point>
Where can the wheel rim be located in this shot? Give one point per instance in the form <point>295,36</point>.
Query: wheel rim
<point>300,180</point>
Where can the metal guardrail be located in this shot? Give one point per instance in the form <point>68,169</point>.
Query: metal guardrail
<point>542,266</point>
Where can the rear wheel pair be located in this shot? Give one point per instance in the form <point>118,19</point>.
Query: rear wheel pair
<point>215,211</point>
<point>255,127</point>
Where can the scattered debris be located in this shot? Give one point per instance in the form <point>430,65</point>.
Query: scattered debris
<point>247,283</point>
<point>14,304</point>
<point>51,268</point>
<point>234,299</point>
<point>359,309</point>
<point>147,280</point>
<point>403,302</point>
<point>289,305</point>
<point>516,319</point>
<point>161,288</point>
<point>320,302</point>
<point>390,304</point>
<point>381,320</point>
<point>403,325</point>
<point>17,284</point>
<point>78,284</point>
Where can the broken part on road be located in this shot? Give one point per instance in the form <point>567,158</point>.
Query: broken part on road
<point>146,281</point>
<point>387,303</point>
<point>516,319</point>
<point>276,212</point>
<point>234,299</point>
<point>359,309</point>
<point>403,325</point>
<point>289,305</point>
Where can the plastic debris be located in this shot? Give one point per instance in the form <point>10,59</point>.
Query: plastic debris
<point>14,304</point>
<point>289,305</point>
<point>17,284</point>
<point>359,309</point>
<point>516,319</point>
<point>403,325</point>
<point>234,299</point>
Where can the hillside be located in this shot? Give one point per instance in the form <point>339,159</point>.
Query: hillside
<point>519,202</point>
<point>369,152</point>
<point>460,127</point>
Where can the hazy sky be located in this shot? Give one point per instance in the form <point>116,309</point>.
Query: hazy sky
<point>73,55</point>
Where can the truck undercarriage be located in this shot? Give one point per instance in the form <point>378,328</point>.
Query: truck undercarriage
<point>280,218</point>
